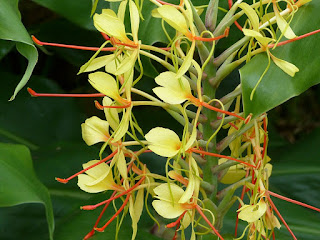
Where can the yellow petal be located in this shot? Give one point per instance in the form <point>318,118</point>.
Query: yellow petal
<point>95,130</point>
<point>163,141</point>
<point>134,19</point>
<point>284,26</point>
<point>83,179</point>
<point>122,165</point>
<point>174,18</point>
<point>173,90</point>
<point>252,213</point>
<point>252,15</point>
<point>234,173</point>
<point>123,126</point>
<point>109,23</point>
<point>127,63</point>
<point>104,83</point>
<point>260,38</point>
<point>96,63</point>
<point>287,67</point>
<point>122,10</point>
<point>166,209</point>
<point>186,61</point>
<point>99,173</point>
<point>172,194</point>
<point>111,113</point>
<point>113,64</point>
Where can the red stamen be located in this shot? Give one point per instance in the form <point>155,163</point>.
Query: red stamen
<point>293,201</point>
<point>105,36</point>
<point>115,215</point>
<point>100,107</point>
<point>62,180</point>
<point>230,2</point>
<point>35,94</point>
<point>206,105</point>
<point>281,218</point>
<point>225,34</point>
<point>294,39</point>
<point>91,233</point>
<point>173,224</point>
<point>166,3</point>
<point>231,124</point>
<point>92,207</point>
<point>220,156</point>
<point>38,42</point>
<point>207,220</point>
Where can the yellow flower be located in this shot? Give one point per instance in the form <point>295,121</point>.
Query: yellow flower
<point>95,130</point>
<point>96,179</point>
<point>252,213</point>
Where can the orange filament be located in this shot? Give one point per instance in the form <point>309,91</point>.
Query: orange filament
<point>293,201</point>
<point>115,215</point>
<point>197,102</point>
<point>40,43</point>
<point>220,156</point>
<point>92,207</point>
<point>207,220</point>
<point>62,180</point>
<point>90,234</point>
<point>281,218</point>
<point>177,222</point>
<point>35,94</point>
<point>100,107</point>
<point>294,39</point>
<point>225,34</point>
<point>105,36</point>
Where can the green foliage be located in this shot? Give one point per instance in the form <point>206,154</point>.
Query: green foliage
<point>276,86</point>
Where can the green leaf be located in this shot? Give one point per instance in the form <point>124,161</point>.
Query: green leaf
<point>5,48</point>
<point>11,28</point>
<point>276,86</point>
<point>19,183</point>
<point>78,12</point>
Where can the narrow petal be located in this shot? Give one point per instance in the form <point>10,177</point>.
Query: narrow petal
<point>284,26</point>
<point>96,63</point>
<point>186,61</point>
<point>252,15</point>
<point>104,83</point>
<point>260,38</point>
<point>123,126</point>
<point>287,67</point>
<point>111,113</point>
<point>134,19</point>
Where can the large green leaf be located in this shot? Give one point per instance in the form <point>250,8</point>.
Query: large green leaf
<point>11,28</point>
<point>19,183</point>
<point>77,12</point>
<point>276,86</point>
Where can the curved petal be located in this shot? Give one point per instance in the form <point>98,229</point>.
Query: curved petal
<point>100,173</point>
<point>96,63</point>
<point>172,194</point>
<point>169,96</point>
<point>167,209</point>
<point>252,213</point>
<point>83,179</point>
<point>95,130</point>
<point>163,141</point>
<point>104,83</point>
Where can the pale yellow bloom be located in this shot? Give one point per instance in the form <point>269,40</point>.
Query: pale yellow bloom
<point>96,179</point>
<point>252,213</point>
<point>95,130</point>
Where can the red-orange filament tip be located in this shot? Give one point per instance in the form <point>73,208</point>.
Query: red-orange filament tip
<point>62,180</point>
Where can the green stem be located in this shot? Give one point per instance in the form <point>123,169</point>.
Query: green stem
<point>212,14</point>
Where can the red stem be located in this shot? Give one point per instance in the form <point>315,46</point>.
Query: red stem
<point>92,207</point>
<point>294,39</point>
<point>37,41</point>
<point>35,94</point>
<point>220,156</point>
<point>226,33</point>
<point>293,201</point>
<point>281,218</point>
<point>207,220</point>
<point>206,105</point>
<point>115,215</point>
<point>62,180</point>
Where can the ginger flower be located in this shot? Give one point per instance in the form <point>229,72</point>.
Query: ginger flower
<point>95,130</point>
<point>172,90</point>
<point>96,179</point>
<point>166,142</point>
<point>252,213</point>
<point>168,205</point>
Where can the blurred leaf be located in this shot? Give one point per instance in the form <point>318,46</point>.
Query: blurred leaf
<point>40,121</point>
<point>5,48</point>
<point>11,28</point>
<point>19,183</point>
<point>276,86</point>
<point>77,12</point>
